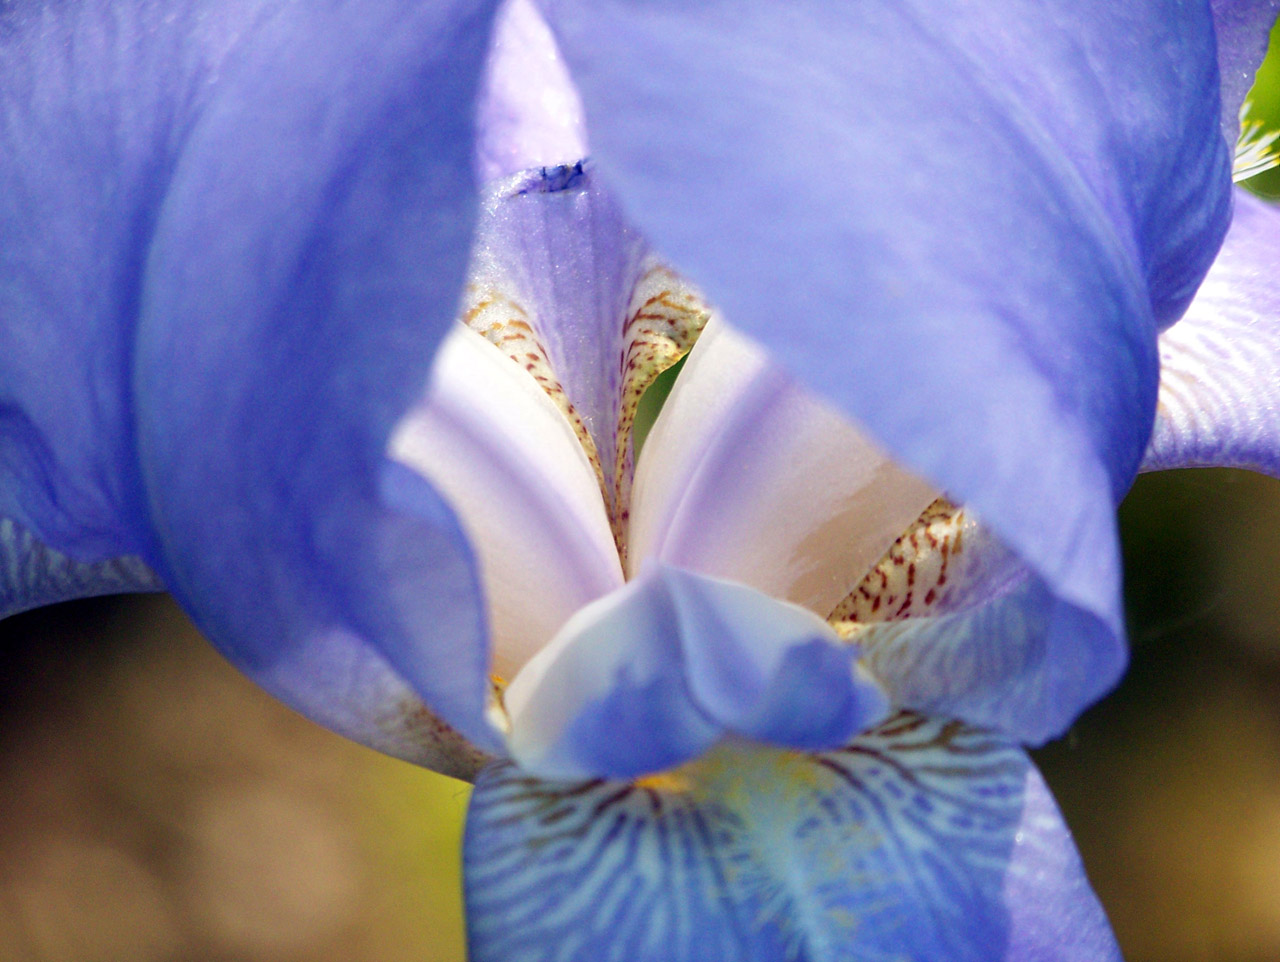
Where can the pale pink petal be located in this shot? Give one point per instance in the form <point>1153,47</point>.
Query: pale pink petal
<point>746,476</point>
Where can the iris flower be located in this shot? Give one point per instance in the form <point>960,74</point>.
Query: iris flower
<point>755,687</point>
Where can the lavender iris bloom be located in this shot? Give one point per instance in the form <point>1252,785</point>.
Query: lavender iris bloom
<point>764,683</point>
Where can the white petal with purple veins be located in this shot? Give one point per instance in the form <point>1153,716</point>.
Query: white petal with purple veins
<point>1220,365</point>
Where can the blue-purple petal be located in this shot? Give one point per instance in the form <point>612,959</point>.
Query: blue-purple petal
<point>95,100</point>
<point>964,222</point>
<point>1220,365</point>
<point>529,114</point>
<point>555,240</point>
<point>656,673</point>
<point>1024,663</point>
<point>33,574</point>
<point>921,840</point>
<point>1242,28</point>
<point>233,234</point>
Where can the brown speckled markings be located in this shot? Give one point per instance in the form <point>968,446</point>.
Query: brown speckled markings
<point>503,322</point>
<point>917,575</point>
<point>443,748</point>
<point>663,321</point>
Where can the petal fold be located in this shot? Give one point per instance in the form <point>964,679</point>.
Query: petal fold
<point>490,439</point>
<point>922,839</point>
<point>961,222</point>
<point>1220,365</point>
<point>300,272</point>
<point>95,98</point>
<point>1024,663</point>
<point>656,673</point>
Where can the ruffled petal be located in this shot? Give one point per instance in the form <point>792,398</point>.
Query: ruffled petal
<point>656,673</point>
<point>921,840</point>
<point>529,113</point>
<point>1242,28</point>
<point>488,438</point>
<point>302,268</point>
<point>747,476</point>
<point>33,574</point>
<point>962,222</point>
<point>1220,365</point>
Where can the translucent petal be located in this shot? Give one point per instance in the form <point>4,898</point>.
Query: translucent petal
<point>32,574</point>
<point>963,223</point>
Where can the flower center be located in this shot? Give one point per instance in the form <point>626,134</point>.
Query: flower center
<point>664,317</point>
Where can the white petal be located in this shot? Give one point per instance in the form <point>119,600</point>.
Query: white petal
<point>510,464</point>
<point>746,476</point>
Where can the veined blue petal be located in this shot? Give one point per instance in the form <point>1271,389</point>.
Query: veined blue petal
<point>95,100</point>
<point>1220,365</point>
<point>655,673</point>
<point>32,574</point>
<point>1242,28</point>
<point>302,265</point>
<point>964,222</point>
<point>555,242</point>
<point>922,840</point>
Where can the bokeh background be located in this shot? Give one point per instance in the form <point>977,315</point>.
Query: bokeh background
<point>156,807</point>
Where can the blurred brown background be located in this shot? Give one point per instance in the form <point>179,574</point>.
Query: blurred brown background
<point>157,807</point>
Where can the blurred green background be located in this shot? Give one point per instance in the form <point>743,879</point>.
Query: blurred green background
<point>157,807</point>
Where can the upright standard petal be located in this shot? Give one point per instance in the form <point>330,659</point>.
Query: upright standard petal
<point>1220,365</point>
<point>920,840</point>
<point>529,114</point>
<point>1243,28</point>
<point>963,222</point>
<point>302,265</point>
